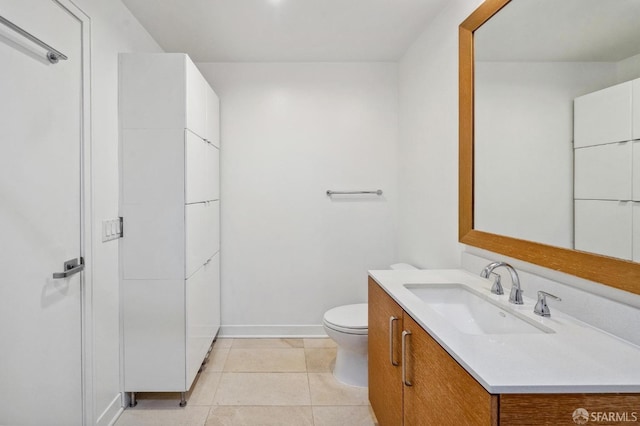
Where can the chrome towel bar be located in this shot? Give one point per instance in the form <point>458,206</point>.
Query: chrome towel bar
<point>53,55</point>
<point>330,192</point>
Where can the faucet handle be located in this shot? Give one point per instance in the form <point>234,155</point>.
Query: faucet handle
<point>515,296</point>
<point>496,288</point>
<point>541,307</point>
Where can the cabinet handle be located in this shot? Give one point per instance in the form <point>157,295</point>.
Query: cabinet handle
<point>391,321</point>
<point>405,333</point>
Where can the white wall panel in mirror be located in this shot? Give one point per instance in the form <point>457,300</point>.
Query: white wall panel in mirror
<point>603,172</point>
<point>636,232</point>
<point>603,116</point>
<point>603,227</point>
<point>636,170</point>
<point>526,78</point>
<point>636,106</point>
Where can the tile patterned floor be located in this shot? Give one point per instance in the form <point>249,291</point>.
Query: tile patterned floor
<point>260,382</point>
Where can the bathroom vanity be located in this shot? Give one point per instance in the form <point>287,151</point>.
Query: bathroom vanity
<point>444,350</point>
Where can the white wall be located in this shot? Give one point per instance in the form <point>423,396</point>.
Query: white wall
<point>113,30</point>
<point>289,133</point>
<point>428,144</point>
<point>629,69</point>
<point>523,145</point>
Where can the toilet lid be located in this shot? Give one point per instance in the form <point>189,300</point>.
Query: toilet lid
<point>354,317</point>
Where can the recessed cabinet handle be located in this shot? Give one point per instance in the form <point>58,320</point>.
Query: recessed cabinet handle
<point>405,333</point>
<point>391,321</point>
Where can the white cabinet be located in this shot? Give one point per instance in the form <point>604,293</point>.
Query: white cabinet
<point>604,227</point>
<point>169,255</point>
<point>635,186</point>
<point>603,116</point>
<point>212,133</point>
<point>636,109</point>
<point>196,102</point>
<point>607,171</point>
<point>603,172</point>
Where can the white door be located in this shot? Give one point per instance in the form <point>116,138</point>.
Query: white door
<point>40,217</point>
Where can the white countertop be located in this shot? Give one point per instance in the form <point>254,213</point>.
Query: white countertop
<point>576,358</point>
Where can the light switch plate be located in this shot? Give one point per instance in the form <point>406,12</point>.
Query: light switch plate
<point>111,229</point>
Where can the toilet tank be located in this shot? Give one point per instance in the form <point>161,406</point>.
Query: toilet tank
<point>397,266</point>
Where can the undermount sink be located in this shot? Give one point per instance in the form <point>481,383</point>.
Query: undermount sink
<point>472,312</point>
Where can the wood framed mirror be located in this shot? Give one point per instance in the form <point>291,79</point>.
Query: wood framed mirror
<point>611,271</point>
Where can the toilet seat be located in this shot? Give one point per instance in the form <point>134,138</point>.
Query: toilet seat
<point>350,319</point>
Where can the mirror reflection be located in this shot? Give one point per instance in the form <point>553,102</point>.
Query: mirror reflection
<point>557,124</point>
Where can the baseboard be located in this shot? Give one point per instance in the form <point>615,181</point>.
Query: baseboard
<point>275,331</point>
<point>112,412</point>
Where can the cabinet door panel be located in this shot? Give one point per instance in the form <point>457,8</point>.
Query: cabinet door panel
<point>636,232</point>
<point>212,276</point>
<point>636,168</point>
<point>154,334</point>
<point>442,392</point>
<point>198,319</point>
<point>202,223</point>
<point>636,109</point>
<point>385,386</point>
<point>197,231</point>
<point>196,171</point>
<point>603,172</point>
<point>213,173</point>
<point>212,228</point>
<point>143,182</point>
<point>153,246</point>
<point>152,91</point>
<point>196,102</point>
<point>213,117</point>
<point>603,116</point>
<point>604,227</point>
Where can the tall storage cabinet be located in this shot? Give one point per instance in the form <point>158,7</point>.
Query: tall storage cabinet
<point>607,171</point>
<point>170,204</point>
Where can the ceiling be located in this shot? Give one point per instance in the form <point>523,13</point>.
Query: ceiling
<point>286,30</point>
<point>562,31</point>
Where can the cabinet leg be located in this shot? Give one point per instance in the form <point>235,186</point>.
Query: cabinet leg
<point>132,399</point>
<point>183,399</point>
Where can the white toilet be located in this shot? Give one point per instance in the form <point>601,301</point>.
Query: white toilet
<point>348,326</point>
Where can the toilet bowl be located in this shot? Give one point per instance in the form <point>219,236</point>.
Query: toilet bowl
<point>348,326</point>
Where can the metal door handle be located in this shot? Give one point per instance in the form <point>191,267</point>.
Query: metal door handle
<point>405,333</point>
<point>71,267</point>
<point>391,321</point>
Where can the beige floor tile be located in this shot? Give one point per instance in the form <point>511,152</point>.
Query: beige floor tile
<point>263,416</point>
<point>217,358</point>
<point>222,342</point>
<point>267,343</point>
<point>204,390</point>
<point>326,390</point>
<point>149,413</point>
<point>320,360</point>
<point>263,389</point>
<point>319,343</point>
<point>258,360</point>
<point>359,415</point>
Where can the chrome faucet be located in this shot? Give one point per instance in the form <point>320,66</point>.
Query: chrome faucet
<point>541,307</point>
<point>516,292</point>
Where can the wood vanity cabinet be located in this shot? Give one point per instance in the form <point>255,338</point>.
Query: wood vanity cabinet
<point>385,376</point>
<point>438,391</point>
